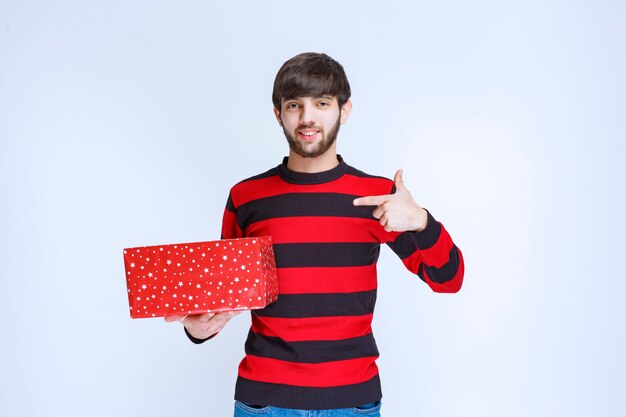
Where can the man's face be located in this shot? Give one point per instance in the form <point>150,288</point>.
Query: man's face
<point>311,124</point>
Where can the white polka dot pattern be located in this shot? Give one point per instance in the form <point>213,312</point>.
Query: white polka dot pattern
<point>200,277</point>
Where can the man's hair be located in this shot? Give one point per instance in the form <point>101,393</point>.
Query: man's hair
<point>310,74</point>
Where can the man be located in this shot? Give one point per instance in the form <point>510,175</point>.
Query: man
<point>313,349</point>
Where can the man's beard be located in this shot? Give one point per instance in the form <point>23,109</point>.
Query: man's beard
<point>322,146</point>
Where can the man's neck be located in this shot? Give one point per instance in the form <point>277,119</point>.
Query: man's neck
<point>325,162</point>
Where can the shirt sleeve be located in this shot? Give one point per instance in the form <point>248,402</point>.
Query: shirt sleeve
<point>432,255</point>
<point>230,225</point>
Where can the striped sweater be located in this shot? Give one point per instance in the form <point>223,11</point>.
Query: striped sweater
<point>314,347</point>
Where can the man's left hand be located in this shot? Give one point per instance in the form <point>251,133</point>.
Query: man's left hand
<point>397,212</point>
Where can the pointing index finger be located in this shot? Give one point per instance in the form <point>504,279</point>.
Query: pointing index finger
<point>376,200</point>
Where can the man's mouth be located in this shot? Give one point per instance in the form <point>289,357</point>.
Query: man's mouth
<point>308,134</point>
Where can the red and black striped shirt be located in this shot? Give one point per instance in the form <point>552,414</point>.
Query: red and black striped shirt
<point>314,347</point>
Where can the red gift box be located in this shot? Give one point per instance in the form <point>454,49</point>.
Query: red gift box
<point>200,277</point>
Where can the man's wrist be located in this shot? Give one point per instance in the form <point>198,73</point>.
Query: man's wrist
<point>422,221</point>
<point>197,340</point>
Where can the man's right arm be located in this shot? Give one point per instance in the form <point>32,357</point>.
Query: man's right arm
<point>202,327</point>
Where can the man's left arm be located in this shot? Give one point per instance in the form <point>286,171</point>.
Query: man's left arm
<point>422,242</point>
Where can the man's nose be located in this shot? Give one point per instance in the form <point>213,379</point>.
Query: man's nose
<point>307,116</point>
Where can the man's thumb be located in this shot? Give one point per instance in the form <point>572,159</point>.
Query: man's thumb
<point>397,179</point>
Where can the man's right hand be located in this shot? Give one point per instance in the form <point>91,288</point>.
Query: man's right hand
<point>203,326</point>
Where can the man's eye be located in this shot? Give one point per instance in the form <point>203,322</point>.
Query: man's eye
<point>292,105</point>
<point>323,104</point>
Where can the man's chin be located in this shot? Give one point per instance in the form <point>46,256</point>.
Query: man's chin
<point>304,154</point>
<point>311,151</point>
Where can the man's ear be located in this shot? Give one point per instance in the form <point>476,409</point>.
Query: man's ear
<point>345,111</point>
<point>277,114</point>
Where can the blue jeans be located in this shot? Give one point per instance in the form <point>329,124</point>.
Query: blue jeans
<point>369,410</point>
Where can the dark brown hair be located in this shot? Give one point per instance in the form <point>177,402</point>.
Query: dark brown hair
<point>310,74</point>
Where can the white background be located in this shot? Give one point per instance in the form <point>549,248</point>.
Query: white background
<point>124,123</point>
